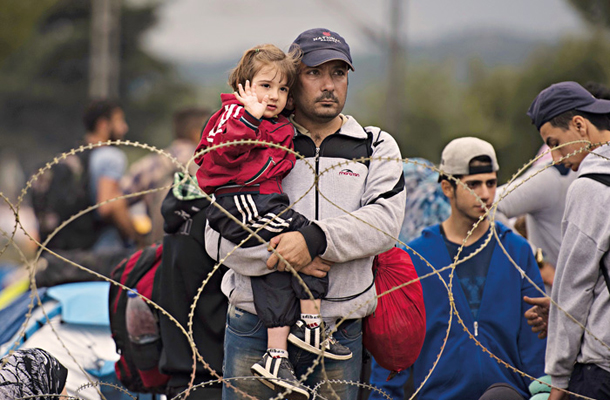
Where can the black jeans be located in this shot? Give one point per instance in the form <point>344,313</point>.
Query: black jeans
<point>591,381</point>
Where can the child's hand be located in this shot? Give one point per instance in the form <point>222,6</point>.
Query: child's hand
<point>247,96</point>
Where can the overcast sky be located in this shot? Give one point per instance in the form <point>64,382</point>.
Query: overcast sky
<point>213,30</point>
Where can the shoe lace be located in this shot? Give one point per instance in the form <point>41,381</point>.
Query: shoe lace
<point>329,337</point>
<point>288,365</point>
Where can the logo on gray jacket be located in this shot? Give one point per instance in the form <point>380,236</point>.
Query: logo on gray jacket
<point>349,172</point>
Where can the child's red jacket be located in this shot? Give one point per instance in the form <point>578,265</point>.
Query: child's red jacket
<point>244,165</point>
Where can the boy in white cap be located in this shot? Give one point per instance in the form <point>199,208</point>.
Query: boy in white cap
<point>487,289</point>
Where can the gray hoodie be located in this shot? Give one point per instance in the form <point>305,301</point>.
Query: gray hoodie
<point>579,287</point>
<point>373,194</point>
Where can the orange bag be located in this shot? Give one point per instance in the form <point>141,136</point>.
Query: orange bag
<point>394,334</point>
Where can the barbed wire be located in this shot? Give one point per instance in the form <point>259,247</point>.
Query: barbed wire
<point>490,214</point>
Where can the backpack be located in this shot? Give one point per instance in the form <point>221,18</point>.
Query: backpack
<point>394,334</point>
<point>138,366</point>
<point>60,193</point>
<point>185,266</point>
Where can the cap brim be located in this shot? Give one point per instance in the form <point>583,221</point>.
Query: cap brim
<point>318,57</point>
<point>600,106</point>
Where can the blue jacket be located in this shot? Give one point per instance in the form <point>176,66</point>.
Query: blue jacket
<point>464,370</point>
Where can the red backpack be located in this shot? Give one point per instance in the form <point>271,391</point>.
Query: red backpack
<point>394,334</point>
<point>138,367</point>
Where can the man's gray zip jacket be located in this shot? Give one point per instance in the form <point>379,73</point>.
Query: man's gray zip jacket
<point>358,205</point>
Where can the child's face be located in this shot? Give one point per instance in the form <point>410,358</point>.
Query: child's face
<point>269,82</point>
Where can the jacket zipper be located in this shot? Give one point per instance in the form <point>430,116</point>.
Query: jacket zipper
<point>476,328</point>
<point>262,171</point>
<point>317,162</point>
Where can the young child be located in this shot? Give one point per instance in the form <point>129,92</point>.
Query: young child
<point>246,181</point>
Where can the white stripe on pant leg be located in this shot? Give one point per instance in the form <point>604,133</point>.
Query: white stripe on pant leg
<point>268,222</point>
<point>252,205</point>
<point>246,207</point>
<point>268,228</point>
<point>317,333</point>
<point>275,220</point>
<point>243,215</point>
<point>272,223</point>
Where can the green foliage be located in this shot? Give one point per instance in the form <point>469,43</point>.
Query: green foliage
<point>44,84</point>
<point>490,105</point>
<point>429,114</point>
<point>597,12</point>
<point>17,20</point>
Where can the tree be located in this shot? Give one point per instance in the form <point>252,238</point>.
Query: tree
<point>597,12</point>
<point>491,104</point>
<point>17,21</point>
<point>43,85</point>
<point>505,95</point>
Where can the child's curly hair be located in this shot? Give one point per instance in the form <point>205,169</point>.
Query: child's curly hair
<point>258,57</point>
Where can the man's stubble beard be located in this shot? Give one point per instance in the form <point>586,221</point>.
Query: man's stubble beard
<point>326,115</point>
<point>319,113</point>
<point>315,112</point>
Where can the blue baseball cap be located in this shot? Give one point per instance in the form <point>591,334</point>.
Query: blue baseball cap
<point>322,45</point>
<point>561,97</point>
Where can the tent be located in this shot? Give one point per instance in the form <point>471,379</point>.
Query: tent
<point>72,324</point>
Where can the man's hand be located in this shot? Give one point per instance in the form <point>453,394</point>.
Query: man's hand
<point>538,316</point>
<point>318,268</point>
<point>557,394</point>
<point>291,246</point>
<point>247,96</point>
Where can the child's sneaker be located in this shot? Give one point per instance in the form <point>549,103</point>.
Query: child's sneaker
<point>279,375</point>
<point>310,339</point>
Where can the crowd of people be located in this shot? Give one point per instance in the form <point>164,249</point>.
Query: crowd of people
<point>298,211</point>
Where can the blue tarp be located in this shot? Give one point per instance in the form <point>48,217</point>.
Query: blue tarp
<point>13,315</point>
<point>83,303</point>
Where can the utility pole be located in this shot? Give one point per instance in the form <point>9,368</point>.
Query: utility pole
<point>104,60</point>
<point>395,46</point>
<point>396,98</point>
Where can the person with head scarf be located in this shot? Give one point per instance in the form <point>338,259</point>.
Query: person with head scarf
<point>31,372</point>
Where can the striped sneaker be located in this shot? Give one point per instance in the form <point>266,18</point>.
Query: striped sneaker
<point>278,374</point>
<point>310,339</point>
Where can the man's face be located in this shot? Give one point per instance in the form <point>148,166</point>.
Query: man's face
<point>484,186</point>
<point>117,125</point>
<point>555,136</point>
<point>320,92</point>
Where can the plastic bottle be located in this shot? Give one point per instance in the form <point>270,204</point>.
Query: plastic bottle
<point>140,321</point>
